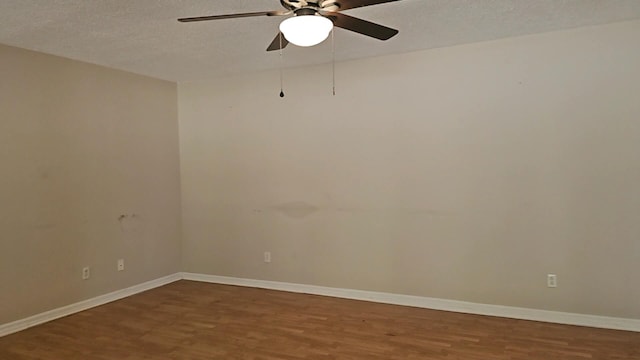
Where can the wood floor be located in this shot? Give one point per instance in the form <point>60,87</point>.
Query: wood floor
<point>190,320</point>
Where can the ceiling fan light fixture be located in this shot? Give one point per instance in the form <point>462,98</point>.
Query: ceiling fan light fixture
<point>306,30</point>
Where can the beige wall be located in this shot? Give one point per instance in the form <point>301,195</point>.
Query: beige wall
<point>461,173</point>
<point>81,145</point>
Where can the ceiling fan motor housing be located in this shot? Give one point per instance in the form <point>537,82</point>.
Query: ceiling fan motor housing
<point>305,11</point>
<point>326,5</point>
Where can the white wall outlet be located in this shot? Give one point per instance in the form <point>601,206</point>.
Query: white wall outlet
<point>120,264</point>
<point>552,280</point>
<point>86,273</point>
<point>267,256</point>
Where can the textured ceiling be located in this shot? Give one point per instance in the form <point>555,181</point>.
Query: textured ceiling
<point>143,36</point>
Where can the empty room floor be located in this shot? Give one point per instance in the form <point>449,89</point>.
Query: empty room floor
<point>193,320</point>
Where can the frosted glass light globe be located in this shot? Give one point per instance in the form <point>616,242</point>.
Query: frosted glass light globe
<point>306,30</point>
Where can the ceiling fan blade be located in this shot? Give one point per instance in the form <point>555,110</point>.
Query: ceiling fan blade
<point>360,26</point>
<point>351,4</point>
<point>275,44</point>
<point>233,16</point>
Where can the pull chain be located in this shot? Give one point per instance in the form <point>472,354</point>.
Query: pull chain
<point>333,59</point>
<point>281,66</point>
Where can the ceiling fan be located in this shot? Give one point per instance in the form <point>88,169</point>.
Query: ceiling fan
<point>313,20</point>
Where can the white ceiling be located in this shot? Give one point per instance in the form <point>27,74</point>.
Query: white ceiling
<point>143,36</point>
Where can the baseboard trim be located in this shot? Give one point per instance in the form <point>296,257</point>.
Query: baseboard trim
<point>44,317</point>
<point>379,297</point>
<point>431,303</point>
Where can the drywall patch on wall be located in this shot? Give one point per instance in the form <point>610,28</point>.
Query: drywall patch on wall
<point>296,209</point>
<point>130,224</point>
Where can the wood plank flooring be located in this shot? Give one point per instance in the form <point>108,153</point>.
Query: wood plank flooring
<point>191,320</point>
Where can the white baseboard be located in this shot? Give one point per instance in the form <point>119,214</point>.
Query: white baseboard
<point>431,303</point>
<point>19,325</point>
<point>386,298</point>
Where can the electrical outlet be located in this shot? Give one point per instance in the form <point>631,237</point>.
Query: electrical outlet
<point>120,264</point>
<point>86,273</point>
<point>267,256</point>
<point>552,280</point>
